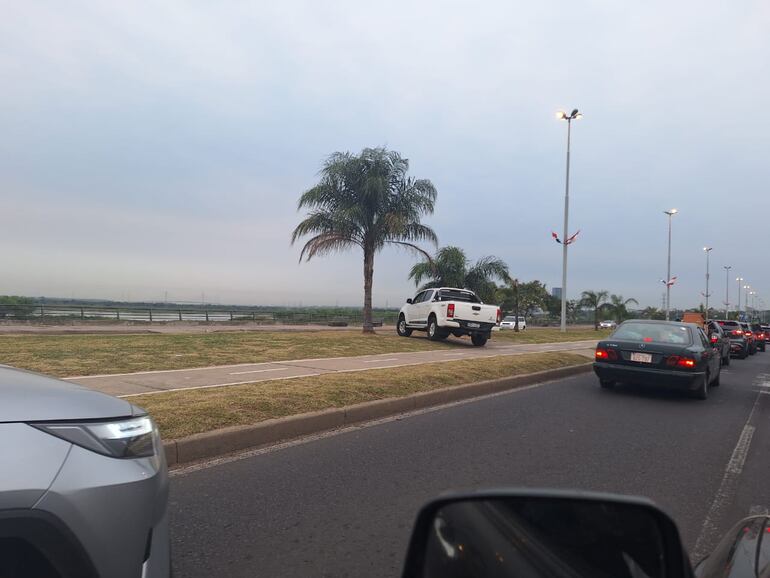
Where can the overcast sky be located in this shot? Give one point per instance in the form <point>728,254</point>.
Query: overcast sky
<point>153,148</point>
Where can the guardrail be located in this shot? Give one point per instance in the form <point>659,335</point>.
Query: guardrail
<point>169,314</point>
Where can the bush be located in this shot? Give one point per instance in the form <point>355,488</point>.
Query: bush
<point>15,306</point>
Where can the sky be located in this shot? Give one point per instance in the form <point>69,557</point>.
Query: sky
<point>153,151</point>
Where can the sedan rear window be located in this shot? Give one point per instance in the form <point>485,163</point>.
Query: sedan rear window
<point>654,332</point>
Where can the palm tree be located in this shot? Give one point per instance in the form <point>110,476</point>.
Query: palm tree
<point>451,268</point>
<point>594,300</point>
<point>650,313</point>
<point>617,306</point>
<point>367,202</point>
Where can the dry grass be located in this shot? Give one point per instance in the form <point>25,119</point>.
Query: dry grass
<point>184,413</point>
<point>69,355</point>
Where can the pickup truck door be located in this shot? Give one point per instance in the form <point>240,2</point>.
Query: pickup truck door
<point>422,309</point>
<point>412,313</point>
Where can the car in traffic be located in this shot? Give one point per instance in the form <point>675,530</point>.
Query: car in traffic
<point>658,353</point>
<point>739,343</point>
<point>607,324</point>
<point>750,337</point>
<point>719,340</point>
<point>759,336</point>
<point>83,483</point>
<point>446,311</point>
<point>509,322</point>
<point>766,331</point>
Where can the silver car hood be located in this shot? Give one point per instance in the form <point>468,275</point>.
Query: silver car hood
<point>27,396</point>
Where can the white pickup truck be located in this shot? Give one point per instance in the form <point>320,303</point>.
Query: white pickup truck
<point>448,311</point>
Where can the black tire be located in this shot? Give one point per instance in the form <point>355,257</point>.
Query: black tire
<point>434,333</point>
<point>715,383</point>
<point>479,340</point>
<point>762,348</point>
<point>744,353</point>
<point>606,383</point>
<point>703,390</point>
<point>401,327</point>
<point>726,360</point>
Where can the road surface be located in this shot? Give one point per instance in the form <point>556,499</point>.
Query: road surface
<point>343,504</point>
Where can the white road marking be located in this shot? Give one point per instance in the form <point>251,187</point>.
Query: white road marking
<point>379,360</point>
<point>457,353</point>
<point>258,371</point>
<point>727,488</point>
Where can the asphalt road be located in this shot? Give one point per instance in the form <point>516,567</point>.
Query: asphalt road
<point>343,504</point>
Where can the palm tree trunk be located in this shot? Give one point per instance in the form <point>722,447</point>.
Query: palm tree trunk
<point>516,304</point>
<point>368,279</point>
<point>596,318</point>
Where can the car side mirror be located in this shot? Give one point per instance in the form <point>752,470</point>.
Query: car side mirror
<point>409,301</point>
<point>511,534</point>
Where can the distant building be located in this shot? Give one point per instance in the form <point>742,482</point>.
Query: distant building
<point>556,292</point>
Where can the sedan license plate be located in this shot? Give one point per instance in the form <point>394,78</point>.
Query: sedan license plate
<point>641,357</point>
<point>472,324</point>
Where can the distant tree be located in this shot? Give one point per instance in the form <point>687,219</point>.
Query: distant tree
<point>652,313</point>
<point>593,300</point>
<point>618,306</point>
<point>16,306</point>
<point>532,295</point>
<point>365,201</point>
<point>451,268</point>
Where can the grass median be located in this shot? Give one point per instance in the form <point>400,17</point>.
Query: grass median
<point>183,413</point>
<point>90,354</point>
<point>548,335</point>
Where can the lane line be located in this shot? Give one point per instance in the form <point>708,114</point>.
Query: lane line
<point>379,360</point>
<point>259,371</point>
<point>728,486</point>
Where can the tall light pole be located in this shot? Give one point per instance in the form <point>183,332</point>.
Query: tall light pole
<point>561,115</point>
<point>746,297</point>
<point>670,214</point>
<point>727,290</point>
<point>708,251</point>
<point>738,310</point>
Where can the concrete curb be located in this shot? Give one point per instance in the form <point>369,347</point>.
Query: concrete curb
<point>233,439</point>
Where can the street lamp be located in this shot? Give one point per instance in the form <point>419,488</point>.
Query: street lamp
<point>746,297</point>
<point>753,304</point>
<point>727,290</point>
<point>708,251</point>
<point>670,214</point>
<point>738,310</point>
<point>561,115</point>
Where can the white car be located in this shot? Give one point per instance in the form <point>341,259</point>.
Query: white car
<point>448,311</point>
<point>607,324</point>
<point>509,322</point>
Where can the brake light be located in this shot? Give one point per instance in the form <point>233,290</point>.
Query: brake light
<point>450,311</point>
<point>606,354</point>
<point>737,332</point>
<point>499,315</point>
<point>677,361</point>
<point>714,339</point>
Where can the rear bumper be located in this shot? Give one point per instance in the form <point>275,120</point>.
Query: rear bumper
<point>647,376</point>
<point>462,326</point>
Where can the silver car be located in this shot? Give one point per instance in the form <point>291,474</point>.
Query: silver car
<point>83,483</point>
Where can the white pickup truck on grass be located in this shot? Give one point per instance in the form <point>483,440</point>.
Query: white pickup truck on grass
<point>448,311</point>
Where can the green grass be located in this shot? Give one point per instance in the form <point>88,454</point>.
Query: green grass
<point>89,354</point>
<point>183,413</point>
<point>549,335</point>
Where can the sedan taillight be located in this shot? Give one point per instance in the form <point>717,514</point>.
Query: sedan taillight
<point>605,354</point>
<point>678,361</point>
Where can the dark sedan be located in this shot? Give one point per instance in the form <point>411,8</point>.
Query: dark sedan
<point>720,340</point>
<point>664,353</point>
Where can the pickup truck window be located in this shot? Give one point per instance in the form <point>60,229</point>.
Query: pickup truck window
<point>454,295</point>
<point>419,298</point>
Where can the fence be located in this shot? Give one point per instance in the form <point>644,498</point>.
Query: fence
<point>166,314</point>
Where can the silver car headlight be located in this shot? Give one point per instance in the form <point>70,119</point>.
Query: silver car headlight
<point>135,437</point>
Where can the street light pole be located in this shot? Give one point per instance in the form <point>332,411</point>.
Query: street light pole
<point>708,251</point>
<point>738,310</point>
<point>670,214</point>
<point>727,290</point>
<point>746,297</point>
<point>561,115</point>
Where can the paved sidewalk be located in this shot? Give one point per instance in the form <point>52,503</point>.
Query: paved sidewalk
<point>127,384</point>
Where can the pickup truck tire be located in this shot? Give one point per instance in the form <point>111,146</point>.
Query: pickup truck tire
<point>401,327</point>
<point>435,333</point>
<point>479,340</point>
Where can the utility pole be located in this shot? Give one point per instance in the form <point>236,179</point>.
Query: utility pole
<point>707,294</point>
<point>727,290</point>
